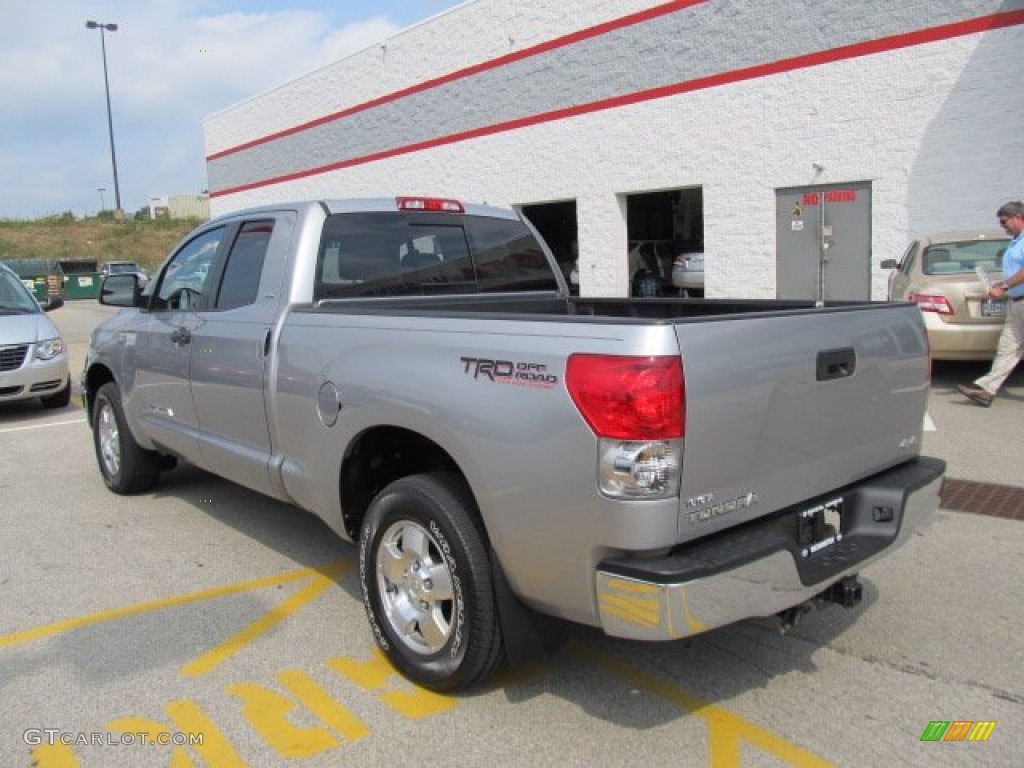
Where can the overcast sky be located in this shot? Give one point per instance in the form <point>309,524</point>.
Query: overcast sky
<point>171,63</point>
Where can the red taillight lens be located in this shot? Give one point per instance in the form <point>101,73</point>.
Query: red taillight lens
<point>429,204</point>
<point>629,398</point>
<point>929,303</point>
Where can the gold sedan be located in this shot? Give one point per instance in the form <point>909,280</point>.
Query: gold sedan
<point>944,275</point>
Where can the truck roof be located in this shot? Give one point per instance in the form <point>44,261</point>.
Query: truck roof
<point>374,205</point>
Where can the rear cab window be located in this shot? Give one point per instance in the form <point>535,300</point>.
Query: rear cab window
<point>365,255</point>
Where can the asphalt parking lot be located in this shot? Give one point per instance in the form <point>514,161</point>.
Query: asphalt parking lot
<point>202,612</point>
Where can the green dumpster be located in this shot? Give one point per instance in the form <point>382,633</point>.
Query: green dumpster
<point>82,286</point>
<point>41,276</point>
<point>39,287</point>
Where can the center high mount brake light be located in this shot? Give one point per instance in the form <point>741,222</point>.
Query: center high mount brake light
<point>429,204</point>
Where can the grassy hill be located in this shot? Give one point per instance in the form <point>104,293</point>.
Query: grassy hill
<point>145,241</point>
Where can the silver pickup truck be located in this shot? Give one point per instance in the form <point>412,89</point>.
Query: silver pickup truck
<point>414,372</point>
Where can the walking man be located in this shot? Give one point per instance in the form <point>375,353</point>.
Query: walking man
<point>1011,340</point>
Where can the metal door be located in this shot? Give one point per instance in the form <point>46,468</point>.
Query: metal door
<point>823,242</point>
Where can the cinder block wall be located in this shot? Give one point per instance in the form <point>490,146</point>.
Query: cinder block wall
<point>593,100</point>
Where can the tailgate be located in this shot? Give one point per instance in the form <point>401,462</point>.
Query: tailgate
<point>783,408</point>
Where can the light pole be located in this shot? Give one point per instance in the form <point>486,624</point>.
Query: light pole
<point>110,120</point>
<point>103,202</point>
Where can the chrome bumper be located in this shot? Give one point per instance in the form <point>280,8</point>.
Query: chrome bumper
<point>660,607</point>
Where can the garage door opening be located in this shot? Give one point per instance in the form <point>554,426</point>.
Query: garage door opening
<point>662,226</point>
<point>556,223</point>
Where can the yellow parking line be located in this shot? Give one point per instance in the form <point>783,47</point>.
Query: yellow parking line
<point>69,625</point>
<point>323,579</point>
<point>727,732</point>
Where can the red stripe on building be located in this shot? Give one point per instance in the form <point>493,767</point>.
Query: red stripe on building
<point>805,61</point>
<point>476,69</point>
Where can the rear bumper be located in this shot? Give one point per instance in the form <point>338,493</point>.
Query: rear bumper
<point>760,569</point>
<point>961,341</point>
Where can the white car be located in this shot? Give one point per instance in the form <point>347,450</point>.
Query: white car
<point>33,356</point>
<point>124,268</point>
<point>688,271</point>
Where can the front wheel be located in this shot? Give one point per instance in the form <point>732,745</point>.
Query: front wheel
<point>426,582</point>
<point>125,465</point>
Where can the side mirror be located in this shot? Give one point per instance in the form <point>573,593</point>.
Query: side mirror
<point>121,291</point>
<point>53,301</point>
<point>889,264</point>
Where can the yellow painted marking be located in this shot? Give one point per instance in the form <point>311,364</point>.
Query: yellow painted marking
<point>61,627</point>
<point>632,610</point>
<point>694,626</point>
<point>415,704</point>
<point>216,750</point>
<point>727,731</point>
<point>982,730</point>
<point>624,585</point>
<point>54,756</point>
<point>267,712</point>
<point>320,703</point>
<point>323,579</point>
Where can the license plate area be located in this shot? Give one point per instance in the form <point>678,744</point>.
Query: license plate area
<point>819,527</point>
<point>993,308</point>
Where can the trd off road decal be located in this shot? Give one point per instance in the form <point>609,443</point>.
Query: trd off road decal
<point>533,375</point>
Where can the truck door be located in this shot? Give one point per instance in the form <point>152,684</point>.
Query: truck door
<point>158,356</point>
<point>229,351</point>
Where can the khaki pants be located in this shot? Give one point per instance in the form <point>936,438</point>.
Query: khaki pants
<point>1010,349</point>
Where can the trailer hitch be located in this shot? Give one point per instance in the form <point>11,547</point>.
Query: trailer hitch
<point>847,592</point>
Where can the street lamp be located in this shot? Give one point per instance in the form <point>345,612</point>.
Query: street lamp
<point>110,120</point>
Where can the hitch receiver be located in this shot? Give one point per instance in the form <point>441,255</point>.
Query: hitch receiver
<point>847,592</point>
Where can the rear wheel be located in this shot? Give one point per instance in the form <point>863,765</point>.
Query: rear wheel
<point>646,286</point>
<point>426,582</point>
<point>126,466</point>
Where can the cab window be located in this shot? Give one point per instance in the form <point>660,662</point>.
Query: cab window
<point>240,284</point>
<point>184,281</point>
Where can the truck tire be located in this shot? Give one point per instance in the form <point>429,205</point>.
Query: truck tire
<point>426,582</point>
<point>646,286</point>
<point>126,466</point>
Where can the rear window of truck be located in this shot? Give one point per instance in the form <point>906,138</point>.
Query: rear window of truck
<point>398,254</point>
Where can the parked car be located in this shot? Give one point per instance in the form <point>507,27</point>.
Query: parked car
<point>939,273</point>
<point>688,272</point>
<point>650,264</point>
<point>33,356</point>
<point>124,268</point>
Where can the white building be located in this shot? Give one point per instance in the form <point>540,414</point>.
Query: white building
<point>714,124</point>
<point>180,206</point>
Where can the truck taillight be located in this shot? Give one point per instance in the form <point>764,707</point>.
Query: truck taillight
<point>429,204</point>
<point>636,406</point>
<point>629,398</point>
<point>929,303</point>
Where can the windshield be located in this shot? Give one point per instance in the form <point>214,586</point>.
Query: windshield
<point>123,267</point>
<point>963,258</point>
<point>14,297</point>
